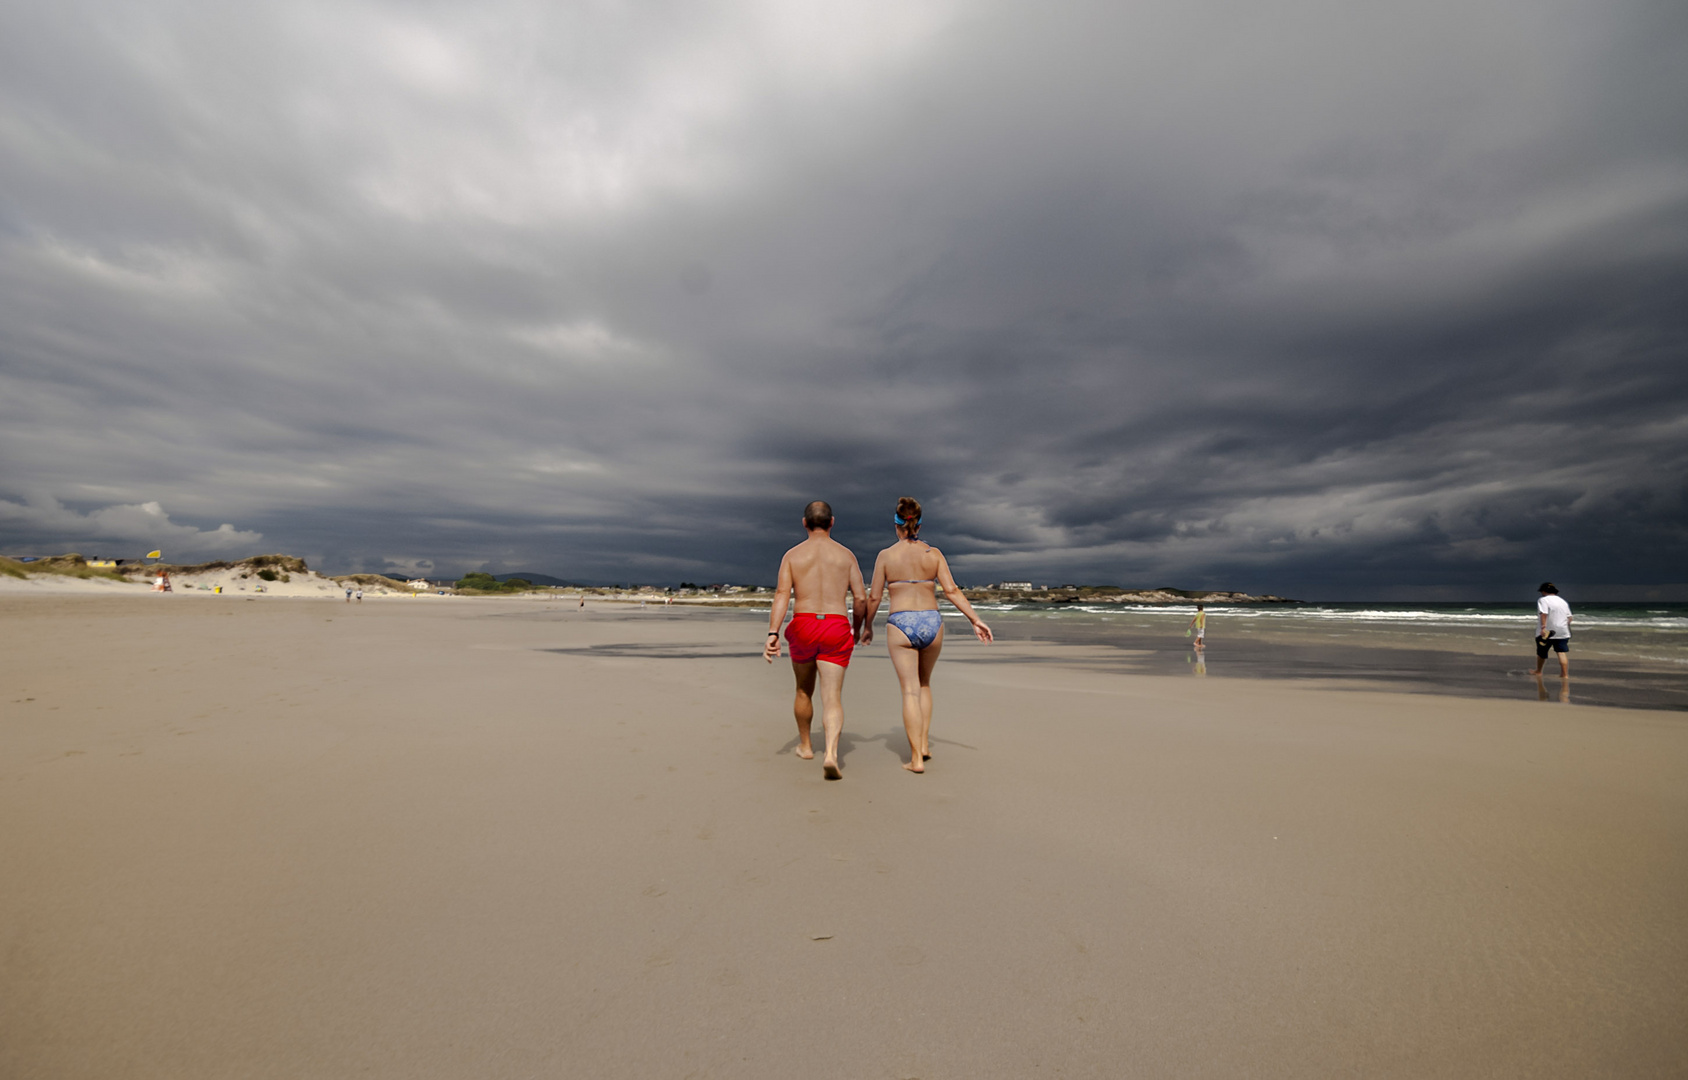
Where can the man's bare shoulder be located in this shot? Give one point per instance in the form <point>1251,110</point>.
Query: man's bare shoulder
<point>837,551</point>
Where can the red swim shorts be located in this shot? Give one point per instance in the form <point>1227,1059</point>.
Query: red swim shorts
<point>820,637</point>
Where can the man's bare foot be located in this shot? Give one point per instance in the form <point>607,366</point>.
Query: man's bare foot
<point>805,752</point>
<point>831,769</point>
<point>915,766</point>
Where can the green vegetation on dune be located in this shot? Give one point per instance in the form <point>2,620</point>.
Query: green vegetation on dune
<point>368,581</point>
<point>278,565</point>
<point>481,582</point>
<point>62,565</point>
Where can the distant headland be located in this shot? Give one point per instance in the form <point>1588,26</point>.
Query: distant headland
<point>1014,592</point>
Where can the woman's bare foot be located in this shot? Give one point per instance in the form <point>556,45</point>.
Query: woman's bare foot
<point>807,753</point>
<point>915,766</point>
<point>831,769</point>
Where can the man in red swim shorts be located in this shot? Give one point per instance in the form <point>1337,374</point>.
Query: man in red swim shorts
<point>822,633</point>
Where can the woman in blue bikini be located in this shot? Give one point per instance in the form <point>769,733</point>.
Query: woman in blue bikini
<point>913,570</point>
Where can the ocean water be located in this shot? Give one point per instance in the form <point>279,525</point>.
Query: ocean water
<point>1631,655</point>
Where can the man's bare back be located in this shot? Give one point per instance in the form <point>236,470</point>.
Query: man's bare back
<point>822,572</point>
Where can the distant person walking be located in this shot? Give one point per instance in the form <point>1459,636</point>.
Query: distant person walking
<point>915,635</point>
<point>348,594</point>
<point>359,595</point>
<point>821,571</point>
<point>1198,625</point>
<point>1553,629</point>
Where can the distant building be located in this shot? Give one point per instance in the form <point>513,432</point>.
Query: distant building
<point>1015,585</point>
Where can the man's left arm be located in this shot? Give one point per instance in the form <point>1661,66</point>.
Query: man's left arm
<point>858,599</point>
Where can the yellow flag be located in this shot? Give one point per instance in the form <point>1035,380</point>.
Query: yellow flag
<point>155,554</point>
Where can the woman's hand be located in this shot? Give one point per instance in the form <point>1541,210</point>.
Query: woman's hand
<point>982,632</point>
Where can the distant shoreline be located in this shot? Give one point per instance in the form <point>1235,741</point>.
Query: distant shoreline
<point>276,566</point>
<point>1108,594</point>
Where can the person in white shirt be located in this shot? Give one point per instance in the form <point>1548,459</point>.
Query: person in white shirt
<point>1553,629</point>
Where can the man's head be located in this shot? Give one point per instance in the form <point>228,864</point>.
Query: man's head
<point>1198,607</point>
<point>817,515</point>
<point>1547,588</point>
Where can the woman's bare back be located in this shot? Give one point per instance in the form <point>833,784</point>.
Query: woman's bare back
<point>911,569</point>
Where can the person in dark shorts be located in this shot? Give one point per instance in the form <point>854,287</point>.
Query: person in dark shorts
<point>1553,629</point>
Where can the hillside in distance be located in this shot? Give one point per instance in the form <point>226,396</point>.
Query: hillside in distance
<point>536,579</point>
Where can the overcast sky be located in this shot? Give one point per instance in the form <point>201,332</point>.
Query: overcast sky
<point>1314,297</point>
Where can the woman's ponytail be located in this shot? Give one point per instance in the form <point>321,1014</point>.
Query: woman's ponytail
<point>908,516</point>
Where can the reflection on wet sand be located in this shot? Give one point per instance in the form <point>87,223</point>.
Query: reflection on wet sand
<point>1564,689</point>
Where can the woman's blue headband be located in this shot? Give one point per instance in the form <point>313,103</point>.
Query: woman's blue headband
<point>895,520</point>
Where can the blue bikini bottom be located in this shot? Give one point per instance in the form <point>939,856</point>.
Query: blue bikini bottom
<point>920,627</point>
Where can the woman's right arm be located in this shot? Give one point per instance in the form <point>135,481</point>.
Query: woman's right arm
<point>875,593</point>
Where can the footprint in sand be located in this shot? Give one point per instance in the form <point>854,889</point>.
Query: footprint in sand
<point>908,957</point>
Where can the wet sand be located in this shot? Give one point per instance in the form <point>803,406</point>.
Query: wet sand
<point>284,838</point>
<point>1610,665</point>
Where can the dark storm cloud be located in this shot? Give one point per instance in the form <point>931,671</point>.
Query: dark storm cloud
<point>1319,299</point>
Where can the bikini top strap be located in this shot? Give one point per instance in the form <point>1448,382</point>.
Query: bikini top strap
<point>916,581</point>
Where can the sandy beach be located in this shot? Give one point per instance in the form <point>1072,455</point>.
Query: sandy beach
<point>489,838</point>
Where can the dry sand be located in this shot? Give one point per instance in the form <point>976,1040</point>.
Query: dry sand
<point>493,839</point>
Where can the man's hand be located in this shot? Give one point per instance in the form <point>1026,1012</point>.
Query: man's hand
<point>771,651</point>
